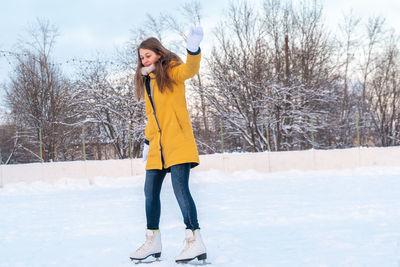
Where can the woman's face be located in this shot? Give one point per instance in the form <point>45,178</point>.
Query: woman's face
<point>148,57</point>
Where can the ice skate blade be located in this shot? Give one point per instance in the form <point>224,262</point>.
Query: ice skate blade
<point>155,255</point>
<point>201,257</point>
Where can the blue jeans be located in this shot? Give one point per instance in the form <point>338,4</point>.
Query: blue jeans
<point>180,183</point>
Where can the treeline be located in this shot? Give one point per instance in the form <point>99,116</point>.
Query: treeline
<point>276,78</point>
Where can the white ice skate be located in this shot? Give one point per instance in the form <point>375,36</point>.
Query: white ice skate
<point>194,248</point>
<point>152,247</point>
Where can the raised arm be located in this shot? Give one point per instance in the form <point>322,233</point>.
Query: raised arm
<point>192,65</point>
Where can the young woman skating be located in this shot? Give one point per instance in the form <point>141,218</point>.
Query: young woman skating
<point>170,145</point>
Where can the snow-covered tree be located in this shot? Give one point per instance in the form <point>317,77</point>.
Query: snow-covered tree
<point>273,69</point>
<point>112,115</point>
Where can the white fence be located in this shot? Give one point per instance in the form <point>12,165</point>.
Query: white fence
<point>263,162</point>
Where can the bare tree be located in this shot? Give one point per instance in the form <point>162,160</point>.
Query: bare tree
<point>374,36</point>
<point>373,42</point>
<point>383,96</point>
<point>348,47</point>
<point>38,94</point>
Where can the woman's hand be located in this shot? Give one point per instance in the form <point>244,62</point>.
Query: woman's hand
<point>194,39</point>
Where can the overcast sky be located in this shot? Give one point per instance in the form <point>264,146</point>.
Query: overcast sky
<point>88,27</point>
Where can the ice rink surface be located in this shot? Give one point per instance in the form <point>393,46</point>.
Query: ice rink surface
<point>248,218</point>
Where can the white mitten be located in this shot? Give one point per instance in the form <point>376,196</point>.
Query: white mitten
<point>145,152</point>
<point>194,39</point>
<point>146,70</point>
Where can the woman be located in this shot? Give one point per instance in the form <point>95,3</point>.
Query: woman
<point>169,144</point>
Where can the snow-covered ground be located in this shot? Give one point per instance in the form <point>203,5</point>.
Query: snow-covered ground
<point>324,218</point>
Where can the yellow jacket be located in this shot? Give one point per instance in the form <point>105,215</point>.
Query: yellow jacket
<point>172,142</point>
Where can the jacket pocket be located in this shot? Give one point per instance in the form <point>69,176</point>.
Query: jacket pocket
<point>150,131</point>
<point>183,120</point>
<point>178,120</point>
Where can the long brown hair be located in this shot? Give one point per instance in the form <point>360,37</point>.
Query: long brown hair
<point>166,61</point>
